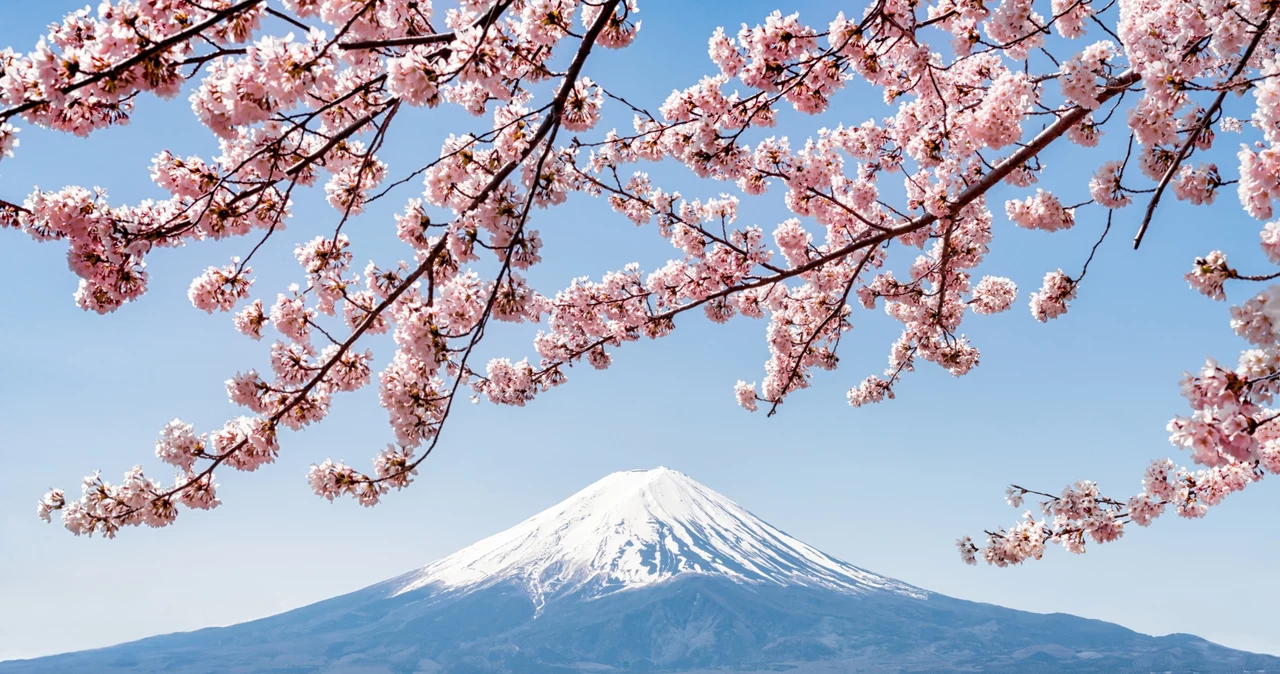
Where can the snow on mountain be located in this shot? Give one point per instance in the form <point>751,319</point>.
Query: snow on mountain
<point>653,573</point>
<point>634,529</point>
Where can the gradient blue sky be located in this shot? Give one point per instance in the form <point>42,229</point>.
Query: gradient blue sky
<point>887,487</point>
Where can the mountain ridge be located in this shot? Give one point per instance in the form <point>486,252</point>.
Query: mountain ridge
<point>651,571</point>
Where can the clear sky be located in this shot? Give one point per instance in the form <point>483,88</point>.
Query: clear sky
<point>887,487</point>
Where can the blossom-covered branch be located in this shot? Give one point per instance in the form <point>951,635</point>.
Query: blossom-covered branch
<point>974,96</point>
<point>1230,430</point>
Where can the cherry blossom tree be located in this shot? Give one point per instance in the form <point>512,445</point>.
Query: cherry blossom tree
<point>305,91</point>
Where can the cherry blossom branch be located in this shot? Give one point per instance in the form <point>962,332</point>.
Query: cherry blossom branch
<point>973,192</point>
<point>546,131</point>
<point>438,38</point>
<point>218,16</point>
<point>160,499</point>
<point>288,112</point>
<point>1205,119</point>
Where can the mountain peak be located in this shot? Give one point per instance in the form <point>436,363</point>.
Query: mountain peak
<point>633,529</point>
<point>651,571</point>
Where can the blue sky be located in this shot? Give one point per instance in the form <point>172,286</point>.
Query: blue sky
<point>887,487</point>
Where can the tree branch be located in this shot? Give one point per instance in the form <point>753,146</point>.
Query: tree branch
<point>1185,150</point>
<point>141,56</point>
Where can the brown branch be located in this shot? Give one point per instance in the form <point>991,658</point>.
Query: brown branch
<point>398,42</point>
<point>9,206</point>
<point>487,18</point>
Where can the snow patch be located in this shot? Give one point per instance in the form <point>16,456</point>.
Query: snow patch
<point>635,529</point>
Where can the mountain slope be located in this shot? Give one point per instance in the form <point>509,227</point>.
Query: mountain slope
<point>649,571</point>
<point>638,528</point>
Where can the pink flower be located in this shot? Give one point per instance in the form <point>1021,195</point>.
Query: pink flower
<point>871,390</point>
<point>8,139</point>
<point>54,500</point>
<point>793,241</point>
<point>1014,25</point>
<point>1209,273</point>
<point>179,446</point>
<point>968,550</point>
<point>1197,185</point>
<point>993,294</point>
<point>291,316</point>
<point>1105,186</point>
<point>746,395</point>
<point>1053,297</point>
<point>725,53</point>
<point>545,22</point>
<point>1043,211</point>
<point>219,288</point>
<point>1271,241</point>
<point>249,321</point>
<point>1079,75</point>
<point>393,466</point>
<point>415,76</point>
<point>618,31</point>
<point>1255,320</point>
<point>1259,180</point>
<point>582,107</point>
<point>509,383</point>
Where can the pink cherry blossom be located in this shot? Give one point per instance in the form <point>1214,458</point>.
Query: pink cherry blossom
<point>1209,274</point>
<point>746,395</point>
<point>993,294</point>
<point>891,211</point>
<point>1054,296</point>
<point>1080,75</point>
<point>1043,211</point>
<point>8,139</point>
<point>219,288</point>
<point>1105,188</point>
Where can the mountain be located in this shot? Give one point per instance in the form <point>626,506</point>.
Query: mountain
<point>637,529</point>
<point>650,571</point>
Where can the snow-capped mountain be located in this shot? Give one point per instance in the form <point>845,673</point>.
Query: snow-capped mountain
<point>650,571</point>
<point>633,529</point>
